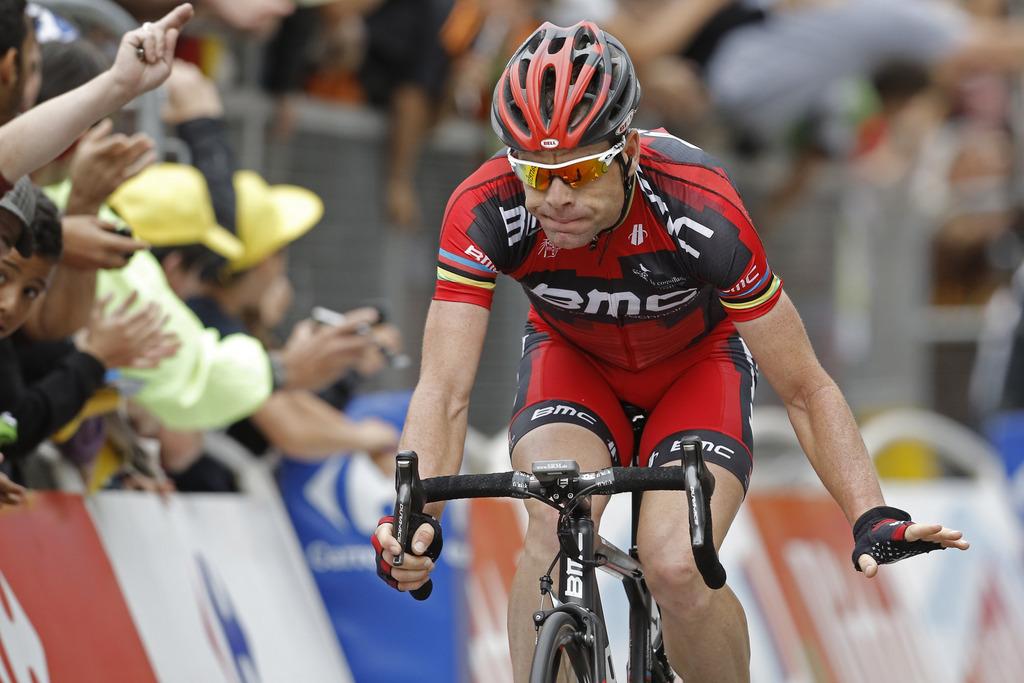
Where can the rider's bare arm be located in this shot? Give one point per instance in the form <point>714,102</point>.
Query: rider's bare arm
<point>820,415</point>
<point>436,424</point>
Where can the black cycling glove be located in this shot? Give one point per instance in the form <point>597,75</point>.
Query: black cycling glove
<point>433,551</point>
<point>880,531</point>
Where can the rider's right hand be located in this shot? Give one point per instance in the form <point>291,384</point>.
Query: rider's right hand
<point>417,565</point>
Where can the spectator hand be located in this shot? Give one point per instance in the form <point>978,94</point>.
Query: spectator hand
<point>385,337</point>
<point>91,243</point>
<point>378,436</point>
<point>190,96</point>
<point>145,55</point>
<point>10,493</point>
<point>102,162</point>
<point>315,356</point>
<point>127,340</point>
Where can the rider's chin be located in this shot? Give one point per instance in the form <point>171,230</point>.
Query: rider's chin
<point>566,240</point>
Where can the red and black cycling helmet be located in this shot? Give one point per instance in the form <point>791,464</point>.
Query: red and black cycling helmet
<point>565,88</point>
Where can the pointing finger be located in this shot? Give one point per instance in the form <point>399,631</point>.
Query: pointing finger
<point>176,18</point>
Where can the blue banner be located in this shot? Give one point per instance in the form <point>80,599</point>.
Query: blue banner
<point>385,635</point>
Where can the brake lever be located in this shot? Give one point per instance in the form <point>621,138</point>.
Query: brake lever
<point>700,484</point>
<point>409,500</point>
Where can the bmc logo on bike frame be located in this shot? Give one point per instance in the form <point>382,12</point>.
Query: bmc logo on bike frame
<point>574,574</point>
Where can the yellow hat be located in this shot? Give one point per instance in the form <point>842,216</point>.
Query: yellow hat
<point>271,217</point>
<point>169,205</point>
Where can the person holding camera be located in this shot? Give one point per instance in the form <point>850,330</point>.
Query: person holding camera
<point>169,206</point>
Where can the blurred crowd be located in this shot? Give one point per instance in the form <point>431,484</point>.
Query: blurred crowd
<point>139,298</point>
<point>142,299</point>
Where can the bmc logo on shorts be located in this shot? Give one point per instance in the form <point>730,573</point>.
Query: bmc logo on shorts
<point>568,411</point>
<point>708,447</point>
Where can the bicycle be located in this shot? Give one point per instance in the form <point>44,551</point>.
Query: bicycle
<point>573,630</point>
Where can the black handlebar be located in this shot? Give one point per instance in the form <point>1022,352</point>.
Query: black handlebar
<point>692,477</point>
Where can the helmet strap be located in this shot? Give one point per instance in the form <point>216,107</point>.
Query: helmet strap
<point>628,183</point>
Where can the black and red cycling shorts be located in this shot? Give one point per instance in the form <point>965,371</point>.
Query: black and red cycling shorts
<point>707,390</point>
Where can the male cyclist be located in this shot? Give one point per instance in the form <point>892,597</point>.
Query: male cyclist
<point>648,287</point>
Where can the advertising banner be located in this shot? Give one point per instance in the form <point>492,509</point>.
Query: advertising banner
<point>62,615</point>
<point>944,617</point>
<point>386,635</point>
<point>216,588</point>
<point>496,530</point>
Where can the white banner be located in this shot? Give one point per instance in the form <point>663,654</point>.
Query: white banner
<point>217,589</point>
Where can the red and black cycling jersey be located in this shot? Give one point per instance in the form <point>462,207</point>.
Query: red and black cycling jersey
<point>683,261</point>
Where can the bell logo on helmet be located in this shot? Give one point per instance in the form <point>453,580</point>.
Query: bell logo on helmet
<point>549,143</point>
<point>625,123</point>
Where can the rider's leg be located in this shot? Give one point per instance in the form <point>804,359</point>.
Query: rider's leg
<point>564,410</point>
<point>550,442</point>
<point>705,630</point>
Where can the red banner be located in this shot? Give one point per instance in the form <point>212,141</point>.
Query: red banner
<point>851,628</point>
<point>62,614</point>
<point>496,538</point>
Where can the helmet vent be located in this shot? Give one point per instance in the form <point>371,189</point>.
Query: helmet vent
<point>547,90</point>
<point>579,112</point>
<point>615,108</point>
<point>516,113</point>
<point>577,67</point>
<point>584,38</point>
<point>524,67</point>
<point>555,46</point>
<point>534,42</point>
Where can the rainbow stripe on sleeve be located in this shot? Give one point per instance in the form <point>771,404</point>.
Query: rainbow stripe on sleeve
<point>455,268</point>
<point>760,294</point>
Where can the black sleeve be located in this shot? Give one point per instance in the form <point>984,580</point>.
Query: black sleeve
<point>46,405</point>
<point>207,139</point>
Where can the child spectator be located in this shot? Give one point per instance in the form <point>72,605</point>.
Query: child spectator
<point>111,339</point>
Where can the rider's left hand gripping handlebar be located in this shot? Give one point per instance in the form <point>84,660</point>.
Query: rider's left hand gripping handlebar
<point>409,503</point>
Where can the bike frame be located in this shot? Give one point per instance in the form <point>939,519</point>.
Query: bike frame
<point>579,595</point>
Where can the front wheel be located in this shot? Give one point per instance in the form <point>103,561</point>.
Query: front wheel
<point>560,650</point>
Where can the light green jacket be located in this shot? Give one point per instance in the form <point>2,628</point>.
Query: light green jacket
<point>212,381</point>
